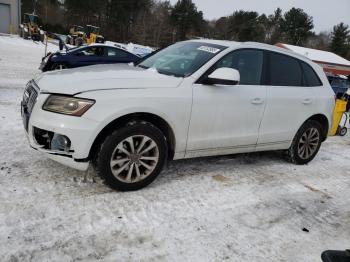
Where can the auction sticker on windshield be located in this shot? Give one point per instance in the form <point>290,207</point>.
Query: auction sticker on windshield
<point>209,49</point>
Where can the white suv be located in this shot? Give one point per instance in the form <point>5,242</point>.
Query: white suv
<point>194,98</point>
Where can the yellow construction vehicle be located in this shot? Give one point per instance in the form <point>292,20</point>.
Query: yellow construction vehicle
<point>93,35</point>
<point>30,28</point>
<point>77,35</point>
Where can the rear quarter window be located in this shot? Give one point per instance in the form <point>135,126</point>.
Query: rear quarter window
<point>310,76</point>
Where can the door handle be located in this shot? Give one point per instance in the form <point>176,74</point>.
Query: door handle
<point>307,101</point>
<point>257,101</point>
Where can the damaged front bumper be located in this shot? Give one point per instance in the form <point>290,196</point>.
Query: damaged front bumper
<point>64,139</point>
<point>49,143</point>
<point>64,157</point>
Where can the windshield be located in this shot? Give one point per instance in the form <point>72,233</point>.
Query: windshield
<point>181,59</point>
<point>76,49</point>
<point>30,19</point>
<point>95,30</point>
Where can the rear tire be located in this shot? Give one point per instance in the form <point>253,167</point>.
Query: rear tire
<point>306,143</point>
<point>132,157</point>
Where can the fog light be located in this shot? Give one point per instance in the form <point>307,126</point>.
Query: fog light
<point>60,143</point>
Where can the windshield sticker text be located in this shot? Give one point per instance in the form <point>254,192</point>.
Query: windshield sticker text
<point>209,49</point>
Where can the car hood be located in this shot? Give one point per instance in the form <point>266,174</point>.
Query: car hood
<point>103,77</point>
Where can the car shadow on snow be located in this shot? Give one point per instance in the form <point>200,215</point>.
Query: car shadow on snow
<point>221,168</point>
<point>258,158</point>
<point>175,170</point>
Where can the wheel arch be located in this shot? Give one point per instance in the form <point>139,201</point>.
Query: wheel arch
<point>121,121</point>
<point>323,120</point>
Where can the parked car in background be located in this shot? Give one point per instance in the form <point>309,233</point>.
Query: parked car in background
<point>339,84</point>
<point>87,55</point>
<point>192,99</point>
<point>136,49</point>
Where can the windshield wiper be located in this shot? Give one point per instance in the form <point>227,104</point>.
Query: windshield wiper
<point>161,71</point>
<point>169,73</point>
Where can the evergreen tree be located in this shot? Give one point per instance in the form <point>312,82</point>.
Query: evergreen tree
<point>186,19</point>
<point>340,40</point>
<point>297,26</point>
<point>274,31</point>
<point>158,23</point>
<point>221,28</point>
<point>246,26</point>
<point>121,16</point>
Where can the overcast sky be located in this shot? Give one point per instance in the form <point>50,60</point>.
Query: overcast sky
<point>325,13</point>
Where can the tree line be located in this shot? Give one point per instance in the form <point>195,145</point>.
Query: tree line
<point>159,23</point>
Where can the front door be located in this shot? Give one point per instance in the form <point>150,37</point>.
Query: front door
<point>226,119</point>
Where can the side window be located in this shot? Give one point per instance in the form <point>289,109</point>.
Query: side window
<point>116,53</point>
<point>311,78</point>
<point>284,70</point>
<point>93,51</point>
<point>248,62</point>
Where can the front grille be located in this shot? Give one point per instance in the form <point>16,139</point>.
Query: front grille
<point>29,99</point>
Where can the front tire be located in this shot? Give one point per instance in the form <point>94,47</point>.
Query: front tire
<point>306,143</point>
<point>132,157</point>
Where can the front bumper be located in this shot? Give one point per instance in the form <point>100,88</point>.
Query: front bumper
<point>45,61</point>
<point>63,159</point>
<point>42,65</point>
<point>79,130</point>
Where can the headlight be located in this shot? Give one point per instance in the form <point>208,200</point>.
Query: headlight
<point>67,105</point>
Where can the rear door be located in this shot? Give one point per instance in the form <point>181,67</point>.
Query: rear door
<point>290,101</point>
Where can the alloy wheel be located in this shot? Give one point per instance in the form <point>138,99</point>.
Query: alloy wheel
<point>134,159</point>
<point>308,143</point>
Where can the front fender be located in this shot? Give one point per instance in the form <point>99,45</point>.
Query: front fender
<point>173,105</point>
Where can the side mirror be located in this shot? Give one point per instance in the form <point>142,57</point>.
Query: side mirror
<point>348,92</point>
<point>224,76</point>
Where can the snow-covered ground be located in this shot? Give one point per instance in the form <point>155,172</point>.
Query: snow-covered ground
<point>236,208</point>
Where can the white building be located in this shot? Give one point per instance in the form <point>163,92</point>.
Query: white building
<point>10,16</point>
